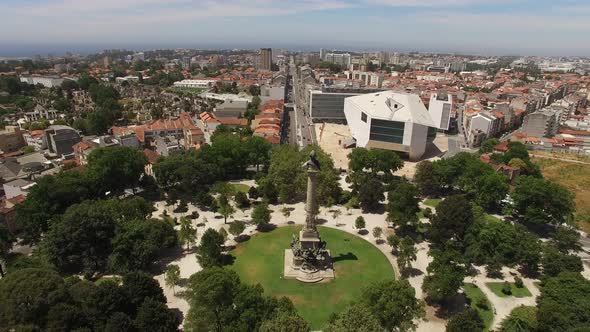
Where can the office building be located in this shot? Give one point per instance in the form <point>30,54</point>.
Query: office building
<point>266,59</point>
<point>61,139</point>
<point>439,108</point>
<point>389,120</point>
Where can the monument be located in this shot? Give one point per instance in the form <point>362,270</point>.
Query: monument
<point>308,260</point>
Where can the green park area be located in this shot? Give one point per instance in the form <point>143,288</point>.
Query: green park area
<point>496,288</point>
<point>357,263</point>
<point>433,202</point>
<point>480,302</point>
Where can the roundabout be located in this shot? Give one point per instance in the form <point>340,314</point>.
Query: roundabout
<point>356,262</point>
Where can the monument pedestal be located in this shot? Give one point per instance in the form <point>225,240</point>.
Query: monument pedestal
<point>298,272</point>
<point>296,266</point>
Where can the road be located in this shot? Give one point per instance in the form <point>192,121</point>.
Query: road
<point>302,125</point>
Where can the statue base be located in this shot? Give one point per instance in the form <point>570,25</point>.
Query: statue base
<point>315,274</point>
<point>296,268</point>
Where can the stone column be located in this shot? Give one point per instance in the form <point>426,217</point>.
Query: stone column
<point>311,205</point>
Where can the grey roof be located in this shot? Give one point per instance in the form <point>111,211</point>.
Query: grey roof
<point>18,183</point>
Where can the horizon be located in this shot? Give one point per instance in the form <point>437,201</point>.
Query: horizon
<point>471,27</point>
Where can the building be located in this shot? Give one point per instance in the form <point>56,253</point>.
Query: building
<point>46,81</point>
<point>342,59</point>
<point>11,139</point>
<point>481,126</point>
<point>39,113</point>
<point>265,59</point>
<point>227,105</point>
<point>147,133</point>
<point>542,123</point>
<point>203,83</point>
<point>389,120</point>
<point>368,78</point>
<point>328,105</point>
<point>167,144</point>
<point>440,107</point>
<point>61,139</point>
<point>17,187</point>
<point>34,138</point>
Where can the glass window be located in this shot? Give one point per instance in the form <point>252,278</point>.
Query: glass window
<point>363,117</point>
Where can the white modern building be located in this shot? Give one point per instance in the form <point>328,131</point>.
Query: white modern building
<point>389,120</point>
<point>195,83</point>
<point>439,108</point>
<point>46,81</point>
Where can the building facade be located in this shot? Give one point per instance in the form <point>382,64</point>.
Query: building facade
<point>389,120</point>
<point>266,59</point>
<point>440,107</point>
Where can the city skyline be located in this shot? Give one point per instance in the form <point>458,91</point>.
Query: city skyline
<point>523,27</point>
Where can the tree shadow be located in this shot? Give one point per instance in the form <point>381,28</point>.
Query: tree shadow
<point>345,257</point>
<point>363,232</point>
<point>242,238</point>
<point>321,221</point>
<point>183,282</point>
<point>177,313</point>
<point>340,224</point>
<point>266,228</point>
<point>228,259</point>
<point>290,222</point>
<point>413,272</point>
<point>450,307</point>
<point>166,257</point>
<point>379,241</point>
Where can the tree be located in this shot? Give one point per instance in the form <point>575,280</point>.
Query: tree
<point>492,189</point>
<point>445,276</point>
<point>6,241</point>
<point>172,276</point>
<point>488,145</point>
<point>261,215</point>
<point>403,205</point>
<point>253,193</point>
<point>285,323</point>
<point>376,161</point>
<point>370,194</point>
<point>225,208</point>
<point>155,316</point>
<point>427,179</point>
<point>139,286</point>
<point>394,304</point>
<point>453,217</point>
<point>187,234</point>
<point>541,201</point>
<point>236,228</point>
<point>377,232</point>
<point>468,320</point>
<point>223,233</point>
<point>242,200</point>
<point>220,302</point>
<point>27,295</point>
<point>567,239</point>
<point>116,168</point>
<point>555,262</point>
<point>286,212</point>
<point>521,319</point>
<point>406,254</point>
<point>355,318</point>
<point>209,252</point>
<point>138,244</point>
<point>81,239</point>
<point>564,304</point>
<point>393,241</point>
<point>359,223</point>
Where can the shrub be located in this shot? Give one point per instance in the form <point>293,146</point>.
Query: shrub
<point>482,303</point>
<point>518,282</point>
<point>427,213</point>
<point>506,289</point>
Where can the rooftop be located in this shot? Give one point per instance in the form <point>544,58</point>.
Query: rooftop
<point>394,106</point>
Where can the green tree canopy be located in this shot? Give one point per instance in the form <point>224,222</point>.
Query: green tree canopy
<point>468,320</point>
<point>209,252</point>
<point>541,201</point>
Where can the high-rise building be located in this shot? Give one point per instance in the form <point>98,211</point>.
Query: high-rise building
<point>322,54</point>
<point>266,59</point>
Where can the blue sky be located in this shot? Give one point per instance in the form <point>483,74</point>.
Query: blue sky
<point>545,27</point>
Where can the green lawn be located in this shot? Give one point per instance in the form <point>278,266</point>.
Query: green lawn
<point>433,202</point>
<point>420,214</point>
<point>357,264</point>
<point>474,294</point>
<point>240,187</point>
<point>496,288</point>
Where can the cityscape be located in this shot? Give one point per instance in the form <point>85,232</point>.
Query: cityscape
<point>273,183</point>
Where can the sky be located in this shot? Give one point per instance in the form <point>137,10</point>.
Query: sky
<point>496,27</point>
